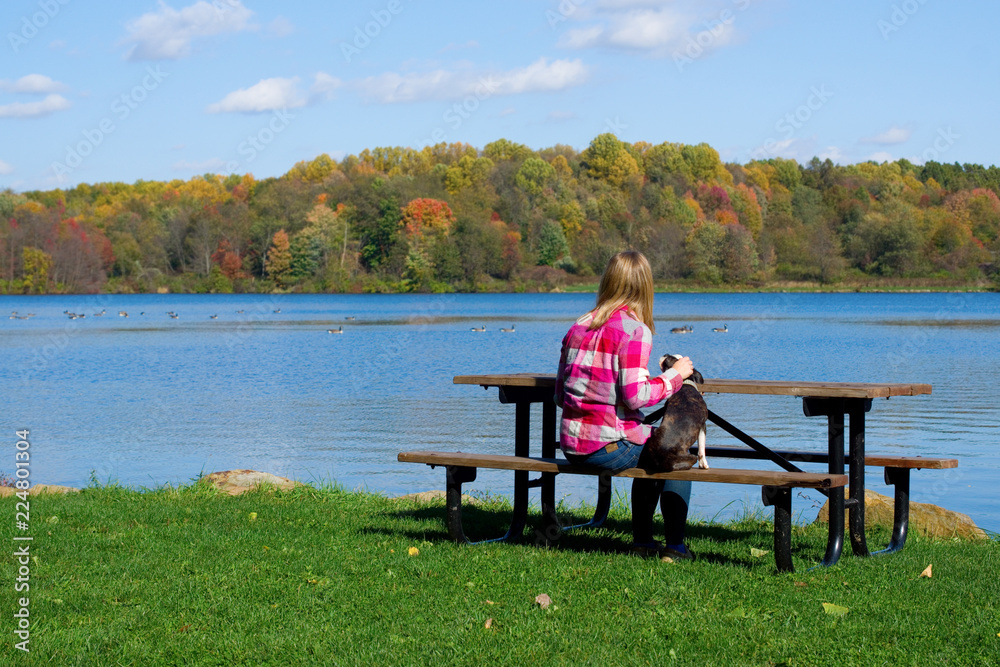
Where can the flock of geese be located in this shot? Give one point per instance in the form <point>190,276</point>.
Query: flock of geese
<point>339,330</point>
<point>688,329</point>
<point>504,329</point>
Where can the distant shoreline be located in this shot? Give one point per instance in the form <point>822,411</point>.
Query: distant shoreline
<point>591,286</point>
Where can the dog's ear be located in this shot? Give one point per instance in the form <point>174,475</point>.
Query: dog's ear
<point>697,378</point>
<point>666,361</point>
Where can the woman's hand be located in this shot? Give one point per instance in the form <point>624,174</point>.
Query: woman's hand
<point>684,367</point>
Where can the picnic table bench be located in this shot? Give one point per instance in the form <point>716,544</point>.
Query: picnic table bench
<point>833,400</point>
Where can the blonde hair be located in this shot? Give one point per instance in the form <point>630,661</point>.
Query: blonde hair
<point>627,281</point>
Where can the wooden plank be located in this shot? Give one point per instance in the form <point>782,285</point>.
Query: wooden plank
<point>537,464</point>
<point>732,386</point>
<point>912,462</point>
<point>878,460</point>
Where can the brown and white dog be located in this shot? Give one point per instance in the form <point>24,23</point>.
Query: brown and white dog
<point>683,422</point>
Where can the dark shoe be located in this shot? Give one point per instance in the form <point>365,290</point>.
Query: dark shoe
<point>683,553</point>
<point>657,550</point>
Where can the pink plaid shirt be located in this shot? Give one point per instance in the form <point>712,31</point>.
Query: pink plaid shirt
<point>602,382</point>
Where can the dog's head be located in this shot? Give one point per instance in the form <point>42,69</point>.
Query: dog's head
<point>668,360</point>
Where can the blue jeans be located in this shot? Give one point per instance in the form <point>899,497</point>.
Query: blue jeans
<point>627,456</point>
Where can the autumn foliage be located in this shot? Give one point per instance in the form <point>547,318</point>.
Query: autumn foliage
<point>456,217</point>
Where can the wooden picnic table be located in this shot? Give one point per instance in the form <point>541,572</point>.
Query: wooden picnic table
<point>840,402</point>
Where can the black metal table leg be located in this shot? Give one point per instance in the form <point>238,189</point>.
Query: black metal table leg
<point>835,449</point>
<point>550,531</point>
<point>522,436</point>
<point>781,499</point>
<point>900,479</point>
<point>856,409</point>
<point>456,476</point>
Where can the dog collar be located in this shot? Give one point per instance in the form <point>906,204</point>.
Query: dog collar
<point>689,382</point>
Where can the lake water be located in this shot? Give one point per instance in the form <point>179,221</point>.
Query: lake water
<point>149,400</point>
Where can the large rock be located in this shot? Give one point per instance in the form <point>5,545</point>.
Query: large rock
<point>235,482</point>
<point>38,489</point>
<point>925,519</point>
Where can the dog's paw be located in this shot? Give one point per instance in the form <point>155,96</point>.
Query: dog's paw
<point>703,463</point>
<point>682,462</point>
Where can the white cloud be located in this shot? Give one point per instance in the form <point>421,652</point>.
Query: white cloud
<point>647,30</point>
<point>34,109</point>
<point>265,95</point>
<point>582,38</point>
<point>167,33</point>
<point>540,76</point>
<point>32,83</point>
<point>324,85</point>
<point>5,168</point>
<point>653,27</point>
<point>894,135</point>
<point>832,153</point>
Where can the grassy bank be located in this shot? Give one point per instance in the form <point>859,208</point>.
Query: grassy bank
<point>191,576</point>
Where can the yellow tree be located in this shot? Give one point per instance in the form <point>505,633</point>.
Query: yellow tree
<point>35,266</point>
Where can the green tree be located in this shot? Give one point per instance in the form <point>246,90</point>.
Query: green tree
<point>552,245</point>
<point>535,175</point>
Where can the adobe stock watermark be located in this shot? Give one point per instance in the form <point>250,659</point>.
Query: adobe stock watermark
<point>33,24</point>
<point>363,36</point>
<point>715,29</point>
<point>122,108</point>
<point>792,121</point>
<point>562,13</point>
<point>944,140</point>
<point>899,16</point>
<point>615,126</point>
<point>459,112</point>
<point>255,144</point>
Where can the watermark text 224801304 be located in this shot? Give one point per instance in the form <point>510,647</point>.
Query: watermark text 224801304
<point>22,552</point>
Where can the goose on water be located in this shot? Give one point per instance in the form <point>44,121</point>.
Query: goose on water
<point>482,328</point>
<point>511,330</point>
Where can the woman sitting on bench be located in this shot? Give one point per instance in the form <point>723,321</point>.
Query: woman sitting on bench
<point>601,384</point>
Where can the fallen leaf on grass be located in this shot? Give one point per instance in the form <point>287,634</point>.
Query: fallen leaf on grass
<point>543,600</point>
<point>927,571</point>
<point>667,559</point>
<point>253,516</point>
<point>834,609</point>
<point>758,553</point>
<point>489,623</point>
<point>413,551</point>
<point>801,583</point>
<point>490,602</point>
<point>184,628</point>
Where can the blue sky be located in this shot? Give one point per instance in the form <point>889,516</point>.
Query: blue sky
<point>125,91</point>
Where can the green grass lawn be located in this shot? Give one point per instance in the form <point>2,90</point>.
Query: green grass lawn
<point>191,576</point>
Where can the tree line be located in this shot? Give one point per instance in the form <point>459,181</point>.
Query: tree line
<point>506,217</point>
